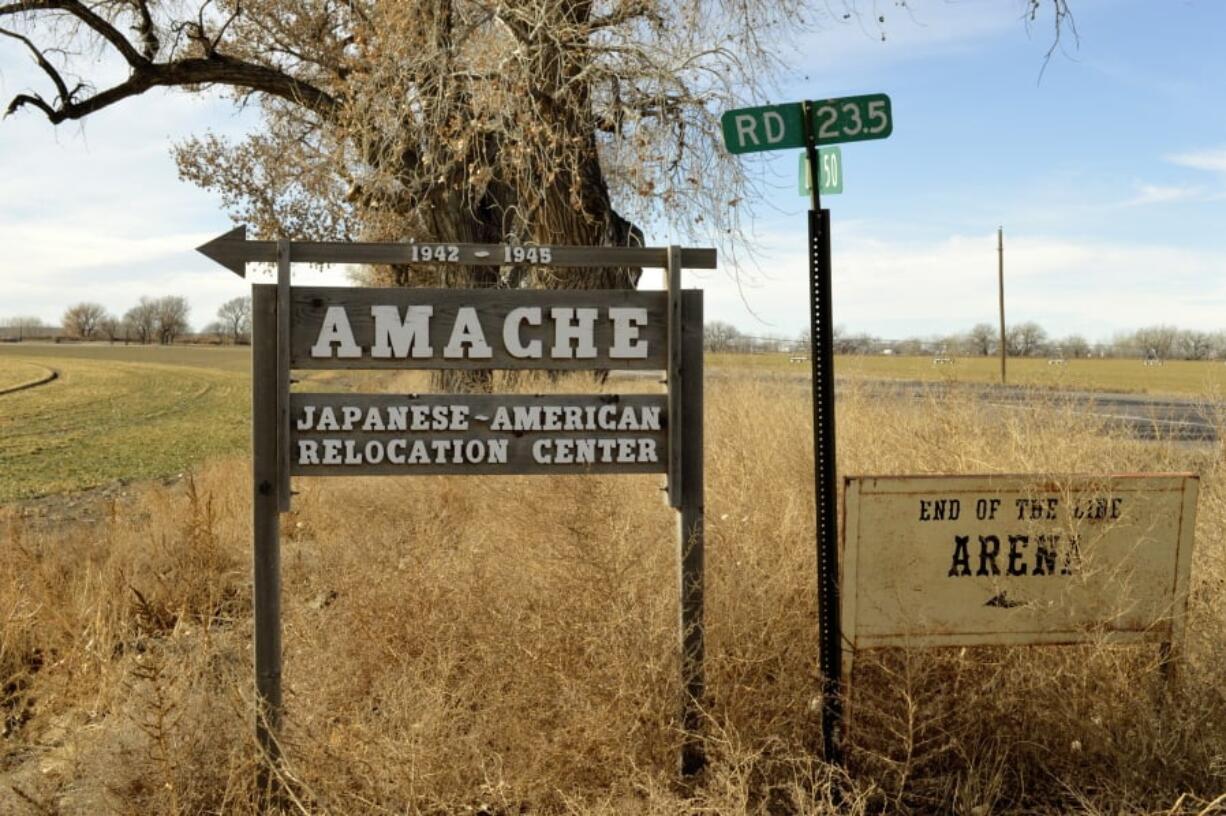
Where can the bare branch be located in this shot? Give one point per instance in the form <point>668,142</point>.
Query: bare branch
<point>1062,18</point>
<point>87,16</point>
<point>29,99</point>
<point>221,31</point>
<point>214,70</point>
<point>624,13</point>
<point>47,67</point>
<point>146,30</point>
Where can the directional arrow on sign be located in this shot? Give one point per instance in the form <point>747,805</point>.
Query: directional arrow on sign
<point>1001,599</point>
<point>233,251</point>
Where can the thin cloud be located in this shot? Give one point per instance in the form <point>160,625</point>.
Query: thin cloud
<point>1159,194</point>
<point>1212,159</point>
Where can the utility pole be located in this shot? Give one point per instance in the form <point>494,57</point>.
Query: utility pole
<point>1000,285</point>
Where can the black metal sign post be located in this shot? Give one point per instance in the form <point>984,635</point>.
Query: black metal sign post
<point>821,356</point>
<point>788,126</point>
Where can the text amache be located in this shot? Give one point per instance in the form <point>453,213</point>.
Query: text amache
<point>406,335</point>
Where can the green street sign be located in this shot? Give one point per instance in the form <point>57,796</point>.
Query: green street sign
<point>778,127</point>
<point>829,180</point>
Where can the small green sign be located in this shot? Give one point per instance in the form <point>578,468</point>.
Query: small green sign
<point>773,127</point>
<point>777,127</point>
<point>829,180</point>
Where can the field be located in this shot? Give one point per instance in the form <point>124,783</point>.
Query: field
<point>223,358</point>
<point>508,645</point>
<point>116,413</point>
<point>1191,378</point>
<point>15,374</point>
<point>124,413</point>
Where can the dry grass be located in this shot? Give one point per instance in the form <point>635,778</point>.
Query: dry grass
<point>18,373</point>
<point>1189,378</point>
<point>509,645</point>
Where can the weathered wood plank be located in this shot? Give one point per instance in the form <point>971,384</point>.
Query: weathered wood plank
<point>517,458</point>
<point>283,374</point>
<point>573,422</point>
<point>233,251</point>
<point>265,518</point>
<point>646,340</point>
<point>691,534</point>
<point>479,403</point>
<point>676,390</point>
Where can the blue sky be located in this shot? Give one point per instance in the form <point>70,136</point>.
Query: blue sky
<point>1108,175</point>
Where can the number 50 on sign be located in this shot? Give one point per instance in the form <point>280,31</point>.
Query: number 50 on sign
<point>776,127</point>
<point>830,179</point>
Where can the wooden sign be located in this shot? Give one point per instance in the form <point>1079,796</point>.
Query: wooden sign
<point>412,434</point>
<point>309,434</point>
<point>971,560</point>
<point>478,328</point>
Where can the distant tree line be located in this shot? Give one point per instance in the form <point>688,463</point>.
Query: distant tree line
<point>161,320</point>
<point>26,327</point>
<point>165,320</point>
<point>152,320</point>
<point>1029,339</point>
<point>1026,339</point>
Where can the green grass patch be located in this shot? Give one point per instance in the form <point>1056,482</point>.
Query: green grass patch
<point>105,419</point>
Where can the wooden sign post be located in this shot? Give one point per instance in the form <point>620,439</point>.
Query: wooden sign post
<point>305,434</point>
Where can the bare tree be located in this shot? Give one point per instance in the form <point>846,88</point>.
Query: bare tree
<point>1160,340</point>
<point>1025,339</point>
<point>82,321</point>
<point>858,343</point>
<point>719,336</point>
<point>981,339</point>
<point>1075,346</point>
<point>846,343</point>
<point>235,318</point>
<point>110,327</point>
<point>218,330</point>
<point>1195,345</point>
<point>911,346</point>
<point>1217,342</point>
<point>142,319</point>
<point>172,312</point>
<point>563,121</point>
<point>21,327</point>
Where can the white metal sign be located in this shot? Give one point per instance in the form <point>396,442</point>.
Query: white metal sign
<point>967,560</point>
